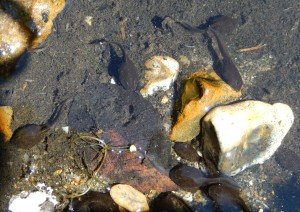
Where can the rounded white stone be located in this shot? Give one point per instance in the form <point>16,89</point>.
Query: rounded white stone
<point>246,133</point>
<point>129,198</point>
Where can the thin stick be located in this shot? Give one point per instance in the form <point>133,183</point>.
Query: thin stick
<point>259,46</point>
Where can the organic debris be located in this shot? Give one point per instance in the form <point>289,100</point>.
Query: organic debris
<point>134,168</point>
<point>254,48</point>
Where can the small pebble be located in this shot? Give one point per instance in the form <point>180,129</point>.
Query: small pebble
<point>184,60</point>
<point>164,99</point>
<point>66,129</point>
<point>88,20</point>
<point>132,148</point>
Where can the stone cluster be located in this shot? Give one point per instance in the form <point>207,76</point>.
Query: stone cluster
<point>236,135</point>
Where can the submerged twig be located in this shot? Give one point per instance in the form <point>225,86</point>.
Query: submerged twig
<point>259,46</point>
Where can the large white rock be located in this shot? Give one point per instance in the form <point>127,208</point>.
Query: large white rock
<point>240,135</point>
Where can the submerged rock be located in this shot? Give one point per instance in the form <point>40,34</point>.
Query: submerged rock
<point>160,73</point>
<point>24,24</point>
<point>6,113</point>
<point>202,91</point>
<point>240,135</point>
<point>13,41</point>
<point>129,198</point>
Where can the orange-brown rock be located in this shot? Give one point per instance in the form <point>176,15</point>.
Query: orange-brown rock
<point>202,91</point>
<point>13,40</point>
<point>43,12</point>
<point>6,113</point>
<point>24,24</point>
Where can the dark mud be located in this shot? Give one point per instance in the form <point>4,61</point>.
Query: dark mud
<point>67,65</point>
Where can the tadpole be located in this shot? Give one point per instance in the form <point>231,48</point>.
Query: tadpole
<point>127,72</point>
<point>186,151</point>
<point>227,198</point>
<point>94,201</point>
<point>221,189</point>
<point>225,67</point>
<point>189,177</point>
<point>29,135</point>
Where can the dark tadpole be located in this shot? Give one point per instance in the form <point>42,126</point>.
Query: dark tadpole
<point>225,67</point>
<point>167,201</point>
<point>187,152</point>
<point>128,73</point>
<point>226,198</point>
<point>188,177</point>
<point>29,135</point>
<point>94,201</point>
<point>222,190</point>
<point>222,23</point>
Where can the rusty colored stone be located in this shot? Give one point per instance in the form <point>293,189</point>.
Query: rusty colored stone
<point>24,24</point>
<point>202,91</point>
<point>6,113</point>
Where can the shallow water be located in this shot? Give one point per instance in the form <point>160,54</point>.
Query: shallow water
<point>68,64</point>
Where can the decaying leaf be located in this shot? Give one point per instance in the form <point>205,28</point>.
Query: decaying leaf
<point>134,169</point>
<point>126,119</point>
